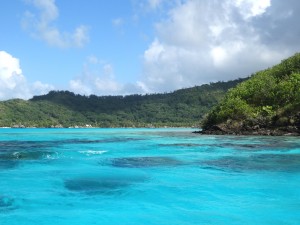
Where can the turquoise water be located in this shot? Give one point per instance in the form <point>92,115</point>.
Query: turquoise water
<point>146,176</point>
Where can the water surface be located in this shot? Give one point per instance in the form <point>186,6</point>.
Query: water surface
<point>146,176</point>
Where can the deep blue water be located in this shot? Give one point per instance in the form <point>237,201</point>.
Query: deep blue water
<point>146,176</point>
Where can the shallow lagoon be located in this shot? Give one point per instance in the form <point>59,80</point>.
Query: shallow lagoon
<point>146,176</point>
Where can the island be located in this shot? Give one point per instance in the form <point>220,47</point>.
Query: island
<point>266,104</point>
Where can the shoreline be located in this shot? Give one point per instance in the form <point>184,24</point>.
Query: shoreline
<point>215,130</point>
<point>83,127</point>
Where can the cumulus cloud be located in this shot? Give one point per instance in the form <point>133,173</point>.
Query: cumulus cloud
<point>41,25</point>
<point>98,78</point>
<point>39,88</point>
<point>13,83</point>
<point>250,8</point>
<point>211,40</point>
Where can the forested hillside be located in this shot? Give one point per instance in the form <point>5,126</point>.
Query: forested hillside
<point>267,103</point>
<point>184,107</point>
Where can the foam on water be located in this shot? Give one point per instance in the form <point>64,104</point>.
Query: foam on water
<point>91,152</point>
<point>146,176</point>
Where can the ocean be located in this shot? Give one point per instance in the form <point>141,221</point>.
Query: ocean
<point>146,176</point>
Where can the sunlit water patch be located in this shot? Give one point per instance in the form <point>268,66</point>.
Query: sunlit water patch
<point>146,176</point>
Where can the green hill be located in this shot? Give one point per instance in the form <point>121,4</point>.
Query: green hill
<point>267,103</point>
<point>184,107</point>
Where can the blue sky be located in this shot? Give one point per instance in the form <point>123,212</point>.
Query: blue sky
<point>139,46</point>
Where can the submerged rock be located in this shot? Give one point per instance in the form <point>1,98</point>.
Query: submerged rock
<point>260,162</point>
<point>138,162</point>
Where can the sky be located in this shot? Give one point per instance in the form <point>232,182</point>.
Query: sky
<point>121,47</point>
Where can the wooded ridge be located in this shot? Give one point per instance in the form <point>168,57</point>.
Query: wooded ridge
<point>185,107</point>
<point>268,104</point>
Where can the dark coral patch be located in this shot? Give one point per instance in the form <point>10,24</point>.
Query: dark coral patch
<point>6,203</point>
<point>7,164</point>
<point>95,185</point>
<point>182,145</point>
<point>102,184</point>
<point>16,146</point>
<point>26,155</point>
<point>259,162</point>
<point>140,162</point>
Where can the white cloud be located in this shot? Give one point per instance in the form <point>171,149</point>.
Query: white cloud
<point>13,83</point>
<point>39,88</point>
<point>81,86</point>
<point>98,77</point>
<point>41,25</point>
<point>211,40</point>
<point>252,8</point>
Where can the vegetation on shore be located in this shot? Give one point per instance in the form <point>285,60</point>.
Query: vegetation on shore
<point>267,103</point>
<point>185,107</point>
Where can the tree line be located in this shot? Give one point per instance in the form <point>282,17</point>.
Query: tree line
<point>269,99</point>
<point>185,107</point>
